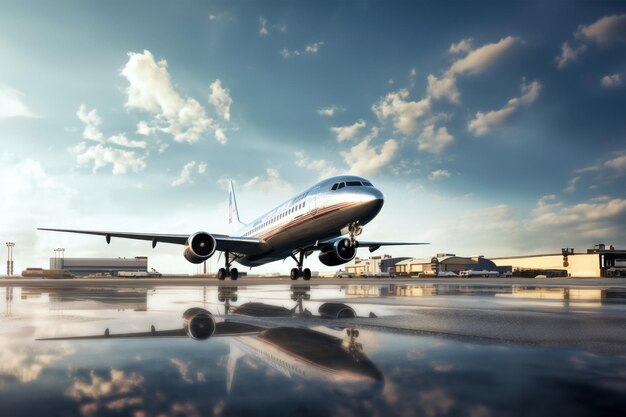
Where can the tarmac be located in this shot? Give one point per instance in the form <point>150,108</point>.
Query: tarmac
<point>185,280</point>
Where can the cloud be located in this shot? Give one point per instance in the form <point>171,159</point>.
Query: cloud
<point>271,183</point>
<point>221,100</point>
<point>482,58</point>
<point>11,104</point>
<point>101,154</point>
<point>483,123</point>
<point>438,174</point>
<point>323,167</point>
<point>122,161</point>
<point>92,123</point>
<point>613,80</point>
<point>328,111</point>
<point>263,31</point>
<point>444,87</point>
<point>605,30</point>
<point>571,185</point>
<point>434,141</point>
<point>569,54</point>
<point>366,160</point>
<point>348,132</point>
<point>465,45</point>
<point>150,89</point>
<point>474,62</point>
<point>186,173</point>
<point>314,47</point>
<point>404,113</point>
<point>618,164</point>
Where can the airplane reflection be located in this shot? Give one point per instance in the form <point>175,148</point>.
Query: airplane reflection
<point>290,348</point>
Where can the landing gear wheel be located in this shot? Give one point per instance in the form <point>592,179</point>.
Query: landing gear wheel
<point>221,274</point>
<point>306,274</point>
<point>295,273</point>
<point>234,274</point>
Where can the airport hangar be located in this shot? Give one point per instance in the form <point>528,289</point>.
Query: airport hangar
<point>108,266</point>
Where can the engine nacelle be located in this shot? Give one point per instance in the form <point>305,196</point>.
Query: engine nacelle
<point>338,253</point>
<point>199,247</point>
<point>336,311</point>
<point>199,324</point>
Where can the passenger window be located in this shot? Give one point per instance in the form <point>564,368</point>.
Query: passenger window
<point>341,185</point>
<point>334,187</point>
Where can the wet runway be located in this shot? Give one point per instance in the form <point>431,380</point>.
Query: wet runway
<point>447,348</point>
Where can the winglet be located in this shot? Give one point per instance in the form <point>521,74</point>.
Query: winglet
<point>233,212</point>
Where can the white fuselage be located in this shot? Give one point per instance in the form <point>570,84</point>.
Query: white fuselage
<point>322,212</point>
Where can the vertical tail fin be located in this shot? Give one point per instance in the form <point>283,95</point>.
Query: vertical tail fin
<point>233,214</point>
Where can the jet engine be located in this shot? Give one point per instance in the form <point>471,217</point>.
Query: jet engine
<point>199,247</point>
<point>336,311</point>
<point>338,253</point>
<point>199,324</point>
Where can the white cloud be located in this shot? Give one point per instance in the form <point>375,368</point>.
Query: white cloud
<point>202,167</point>
<point>122,140</point>
<point>434,141</point>
<point>439,174</point>
<point>348,132</point>
<point>444,87</point>
<point>366,160</point>
<point>92,123</point>
<point>185,175</point>
<point>465,45</point>
<point>474,62</point>
<point>285,53</point>
<point>323,167</point>
<point>571,185</point>
<point>263,31</point>
<point>482,58</point>
<point>605,30</point>
<point>613,80</point>
<point>404,113</point>
<point>569,54</point>
<point>271,183</point>
<point>484,122</point>
<point>220,99</point>
<point>122,161</point>
<point>618,164</point>
<point>150,89</point>
<point>314,47</point>
<point>11,104</point>
<point>328,111</point>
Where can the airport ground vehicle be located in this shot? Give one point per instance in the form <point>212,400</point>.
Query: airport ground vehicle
<point>139,274</point>
<point>483,274</point>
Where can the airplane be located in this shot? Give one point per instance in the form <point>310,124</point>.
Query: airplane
<point>316,219</point>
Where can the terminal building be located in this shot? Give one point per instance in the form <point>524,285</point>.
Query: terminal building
<point>374,265</point>
<point>601,261</point>
<point>101,266</point>
<point>447,263</point>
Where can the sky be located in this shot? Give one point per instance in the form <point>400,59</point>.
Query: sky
<point>492,128</point>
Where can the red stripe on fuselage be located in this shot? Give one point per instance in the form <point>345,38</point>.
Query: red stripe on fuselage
<point>305,218</point>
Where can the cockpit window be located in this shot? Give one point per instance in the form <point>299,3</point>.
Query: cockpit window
<point>367,183</point>
<point>341,185</point>
<point>354,183</point>
<point>334,187</point>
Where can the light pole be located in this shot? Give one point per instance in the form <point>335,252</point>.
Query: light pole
<point>10,258</point>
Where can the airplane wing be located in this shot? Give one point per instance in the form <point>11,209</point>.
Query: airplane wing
<point>369,244</point>
<point>222,329</point>
<point>243,245</point>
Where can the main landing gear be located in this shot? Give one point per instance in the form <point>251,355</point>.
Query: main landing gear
<point>222,273</point>
<point>299,272</point>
